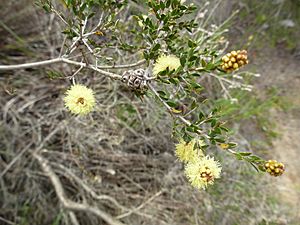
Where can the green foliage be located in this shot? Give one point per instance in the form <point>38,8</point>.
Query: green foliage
<point>169,28</point>
<point>164,23</point>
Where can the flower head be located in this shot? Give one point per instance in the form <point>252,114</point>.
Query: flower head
<point>274,168</point>
<point>79,99</point>
<point>185,151</point>
<point>164,62</point>
<point>203,172</point>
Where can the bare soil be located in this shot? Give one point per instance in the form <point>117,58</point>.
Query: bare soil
<point>281,69</point>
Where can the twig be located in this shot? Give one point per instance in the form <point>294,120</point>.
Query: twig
<point>73,46</point>
<point>141,62</point>
<point>226,92</point>
<point>84,26</point>
<point>66,203</point>
<point>185,121</point>
<point>168,107</point>
<point>76,72</point>
<point>15,159</point>
<point>59,60</point>
<point>96,27</point>
<point>87,45</point>
<point>140,206</point>
<point>30,65</point>
<point>41,145</point>
<point>68,61</point>
<point>109,74</point>
<point>88,189</point>
<point>73,218</point>
<point>62,46</point>
<point>63,20</point>
<point>6,221</point>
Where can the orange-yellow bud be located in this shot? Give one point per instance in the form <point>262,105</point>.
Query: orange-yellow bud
<point>234,60</point>
<point>274,168</point>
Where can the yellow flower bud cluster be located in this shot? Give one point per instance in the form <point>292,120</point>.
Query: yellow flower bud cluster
<point>234,60</point>
<point>274,168</point>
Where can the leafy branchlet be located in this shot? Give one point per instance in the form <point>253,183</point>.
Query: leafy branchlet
<point>183,58</point>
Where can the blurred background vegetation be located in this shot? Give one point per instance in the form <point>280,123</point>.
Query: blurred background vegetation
<point>126,149</point>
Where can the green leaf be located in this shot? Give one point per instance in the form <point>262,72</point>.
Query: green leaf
<point>232,144</point>
<point>238,156</point>
<point>163,95</point>
<point>193,58</point>
<point>245,153</point>
<point>182,60</point>
<point>197,86</point>
<point>255,158</point>
<point>194,104</point>
<point>217,130</point>
<point>254,166</point>
<point>156,47</point>
<point>171,104</point>
<point>203,63</point>
<point>210,66</point>
<point>195,74</point>
<point>220,140</point>
<point>213,122</point>
<point>224,128</point>
<point>191,43</point>
<point>174,80</point>
<point>201,116</point>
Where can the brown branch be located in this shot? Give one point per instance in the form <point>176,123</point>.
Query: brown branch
<point>66,203</point>
<point>128,211</point>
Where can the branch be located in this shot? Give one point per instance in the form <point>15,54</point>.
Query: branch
<point>185,121</point>
<point>103,72</point>
<point>140,206</point>
<point>66,203</point>
<point>59,60</point>
<point>73,218</point>
<point>89,190</point>
<point>141,62</point>
<point>30,65</point>
<point>168,107</point>
<point>27,147</point>
<point>68,61</point>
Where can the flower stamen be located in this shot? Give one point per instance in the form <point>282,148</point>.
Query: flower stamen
<point>80,100</point>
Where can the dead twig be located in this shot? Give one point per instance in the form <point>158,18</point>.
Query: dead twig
<point>66,203</point>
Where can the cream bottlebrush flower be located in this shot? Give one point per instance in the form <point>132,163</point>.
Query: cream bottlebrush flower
<point>203,172</point>
<point>79,99</point>
<point>164,62</point>
<point>185,151</point>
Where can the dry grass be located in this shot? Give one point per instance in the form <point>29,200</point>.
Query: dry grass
<point>118,159</point>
